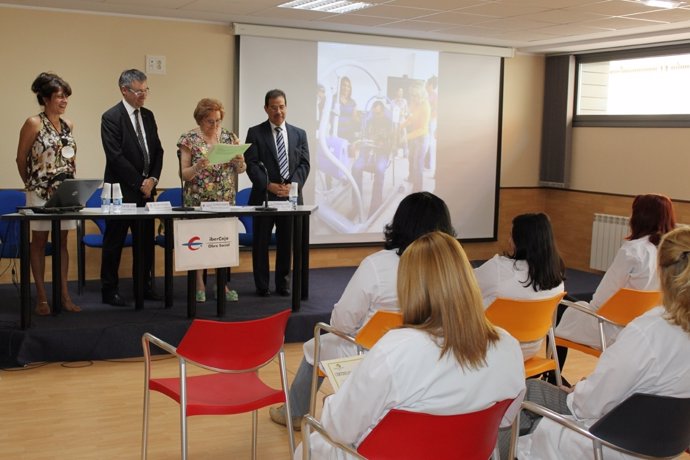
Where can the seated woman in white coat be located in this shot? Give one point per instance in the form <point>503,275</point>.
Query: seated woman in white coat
<point>633,267</point>
<point>371,288</point>
<point>532,270</point>
<point>650,356</point>
<point>446,359</point>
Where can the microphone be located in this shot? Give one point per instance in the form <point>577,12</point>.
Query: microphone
<point>265,206</point>
<point>182,208</point>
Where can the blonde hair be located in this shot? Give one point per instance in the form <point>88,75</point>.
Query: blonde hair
<point>674,274</point>
<point>438,294</point>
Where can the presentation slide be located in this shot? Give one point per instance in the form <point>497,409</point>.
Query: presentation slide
<point>383,122</point>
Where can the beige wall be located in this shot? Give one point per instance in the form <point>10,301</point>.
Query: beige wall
<point>89,52</point>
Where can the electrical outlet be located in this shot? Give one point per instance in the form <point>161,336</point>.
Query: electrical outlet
<point>155,64</point>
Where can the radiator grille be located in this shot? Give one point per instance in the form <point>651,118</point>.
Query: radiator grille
<point>608,233</point>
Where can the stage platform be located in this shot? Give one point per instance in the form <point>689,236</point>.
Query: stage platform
<point>103,332</point>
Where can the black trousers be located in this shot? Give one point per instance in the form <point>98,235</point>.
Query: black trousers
<point>113,242</point>
<point>263,227</point>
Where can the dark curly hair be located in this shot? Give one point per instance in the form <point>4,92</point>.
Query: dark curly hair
<point>47,84</point>
<point>417,214</point>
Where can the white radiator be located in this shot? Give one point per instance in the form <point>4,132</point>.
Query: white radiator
<point>608,234</point>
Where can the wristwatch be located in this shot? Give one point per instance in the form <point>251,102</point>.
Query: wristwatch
<point>155,181</point>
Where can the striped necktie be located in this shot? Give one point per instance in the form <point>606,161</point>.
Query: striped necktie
<point>142,143</point>
<point>282,154</point>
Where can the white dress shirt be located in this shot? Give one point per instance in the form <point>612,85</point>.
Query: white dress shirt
<point>372,287</point>
<point>649,356</point>
<point>404,371</point>
<point>504,277</point>
<point>633,267</point>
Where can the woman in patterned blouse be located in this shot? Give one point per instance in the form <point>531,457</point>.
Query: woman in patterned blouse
<point>203,181</point>
<point>45,157</point>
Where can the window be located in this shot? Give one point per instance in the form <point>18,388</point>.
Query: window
<point>634,88</point>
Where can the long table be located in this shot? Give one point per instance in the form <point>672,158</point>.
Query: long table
<point>300,253</point>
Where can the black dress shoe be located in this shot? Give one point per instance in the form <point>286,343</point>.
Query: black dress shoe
<point>115,300</point>
<point>285,292</point>
<point>263,293</point>
<point>150,294</point>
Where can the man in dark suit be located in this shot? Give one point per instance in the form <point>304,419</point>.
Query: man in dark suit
<point>273,141</point>
<point>134,159</point>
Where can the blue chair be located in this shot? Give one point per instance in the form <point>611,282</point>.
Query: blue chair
<point>92,240</point>
<point>10,200</point>
<point>247,238</point>
<point>174,196</point>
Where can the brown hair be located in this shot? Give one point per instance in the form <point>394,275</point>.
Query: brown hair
<point>438,294</point>
<point>47,84</point>
<point>652,215</point>
<point>206,106</point>
<point>674,274</point>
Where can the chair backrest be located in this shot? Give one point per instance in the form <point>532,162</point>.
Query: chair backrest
<point>173,195</point>
<point>10,200</point>
<point>94,201</point>
<point>239,345</point>
<point>657,426</point>
<point>381,322</point>
<point>413,435</point>
<point>627,304</point>
<point>526,320</point>
<point>242,199</point>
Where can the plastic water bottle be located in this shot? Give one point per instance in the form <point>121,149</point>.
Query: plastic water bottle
<point>294,195</point>
<point>117,199</point>
<point>105,198</point>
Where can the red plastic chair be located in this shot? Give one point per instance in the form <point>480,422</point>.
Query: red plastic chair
<point>233,351</point>
<point>403,435</point>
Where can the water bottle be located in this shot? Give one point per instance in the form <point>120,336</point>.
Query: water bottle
<point>117,199</point>
<point>105,198</point>
<point>294,195</point>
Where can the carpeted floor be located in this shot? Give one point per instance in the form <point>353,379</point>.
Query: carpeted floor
<point>105,332</point>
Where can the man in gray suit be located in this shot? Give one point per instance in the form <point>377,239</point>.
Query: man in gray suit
<point>278,156</point>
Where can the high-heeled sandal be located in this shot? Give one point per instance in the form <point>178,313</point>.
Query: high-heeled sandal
<point>200,296</point>
<point>42,308</point>
<point>68,305</point>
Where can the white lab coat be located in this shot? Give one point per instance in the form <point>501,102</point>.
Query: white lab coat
<point>501,276</point>
<point>404,371</point>
<point>649,356</point>
<point>372,287</point>
<point>633,267</point>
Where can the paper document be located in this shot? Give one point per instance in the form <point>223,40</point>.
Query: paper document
<point>339,369</point>
<point>223,153</point>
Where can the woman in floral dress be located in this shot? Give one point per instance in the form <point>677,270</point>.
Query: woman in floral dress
<point>46,157</point>
<point>203,181</point>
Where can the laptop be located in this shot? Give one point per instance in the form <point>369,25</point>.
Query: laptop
<point>70,196</point>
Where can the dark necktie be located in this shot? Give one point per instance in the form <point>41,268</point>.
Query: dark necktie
<point>142,143</point>
<point>282,154</point>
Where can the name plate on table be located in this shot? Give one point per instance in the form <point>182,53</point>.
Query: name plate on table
<point>159,206</point>
<point>206,243</point>
<point>281,205</point>
<point>216,206</point>
<point>129,208</point>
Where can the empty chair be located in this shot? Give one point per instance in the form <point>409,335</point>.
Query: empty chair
<point>174,196</point>
<point>402,435</point>
<point>232,353</point>
<point>246,238</point>
<point>10,200</point>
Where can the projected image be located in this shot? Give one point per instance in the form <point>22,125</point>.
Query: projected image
<point>376,114</point>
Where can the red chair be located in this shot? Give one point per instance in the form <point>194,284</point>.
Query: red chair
<point>233,352</point>
<point>405,435</point>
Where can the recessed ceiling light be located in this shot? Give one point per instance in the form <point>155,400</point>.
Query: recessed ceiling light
<point>329,6</point>
<point>668,4</point>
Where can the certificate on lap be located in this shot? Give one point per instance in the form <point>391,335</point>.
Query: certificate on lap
<point>339,369</point>
<point>224,153</point>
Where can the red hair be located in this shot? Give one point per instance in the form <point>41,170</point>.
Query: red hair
<point>653,216</point>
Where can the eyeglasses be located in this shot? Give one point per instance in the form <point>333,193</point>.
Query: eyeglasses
<point>212,122</point>
<point>139,92</point>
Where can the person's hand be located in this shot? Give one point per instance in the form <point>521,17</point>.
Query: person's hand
<point>147,187</point>
<point>238,164</point>
<point>279,190</point>
<point>202,163</point>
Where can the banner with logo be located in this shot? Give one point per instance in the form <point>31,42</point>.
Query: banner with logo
<point>206,243</point>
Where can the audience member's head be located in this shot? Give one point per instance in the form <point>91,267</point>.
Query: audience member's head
<point>438,294</point>
<point>653,216</point>
<point>534,243</point>
<point>674,273</point>
<point>417,214</point>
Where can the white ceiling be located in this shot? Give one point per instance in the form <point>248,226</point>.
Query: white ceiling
<point>532,26</point>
